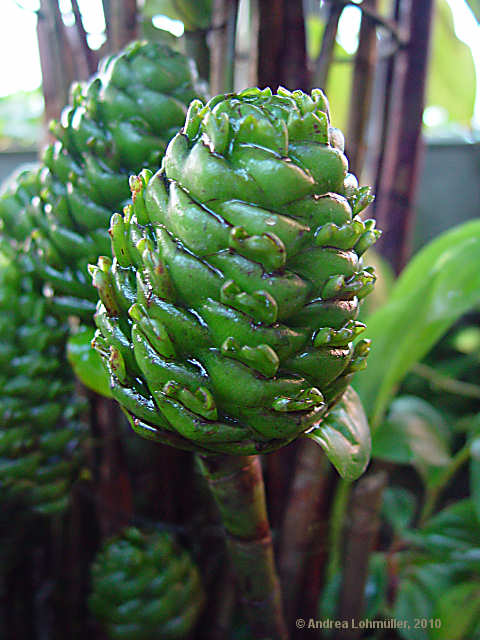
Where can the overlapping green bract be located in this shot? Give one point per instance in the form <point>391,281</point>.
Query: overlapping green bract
<point>145,586</point>
<point>119,122</point>
<point>40,433</point>
<point>228,315</point>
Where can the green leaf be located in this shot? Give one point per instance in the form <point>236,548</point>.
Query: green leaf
<point>475,474</point>
<point>414,433</point>
<point>344,435</point>
<point>439,285</point>
<point>453,536</point>
<point>420,588</point>
<point>412,602</point>
<point>398,507</point>
<point>475,8</point>
<point>459,612</point>
<point>86,362</point>
<point>390,443</point>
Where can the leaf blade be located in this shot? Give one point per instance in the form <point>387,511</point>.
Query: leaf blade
<point>344,435</point>
<point>439,285</point>
<point>86,363</point>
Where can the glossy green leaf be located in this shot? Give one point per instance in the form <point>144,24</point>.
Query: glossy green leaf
<point>86,362</point>
<point>475,474</point>
<point>415,433</point>
<point>439,285</point>
<point>458,610</point>
<point>345,436</point>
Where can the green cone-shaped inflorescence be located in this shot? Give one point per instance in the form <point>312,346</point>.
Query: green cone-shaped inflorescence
<point>118,123</point>
<point>40,433</point>
<point>145,586</point>
<point>229,312</point>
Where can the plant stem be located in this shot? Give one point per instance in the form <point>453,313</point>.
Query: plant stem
<point>282,55</point>
<point>237,485</point>
<point>447,474</point>
<point>222,46</point>
<point>55,57</point>
<point>300,524</point>
<point>398,179</point>
<point>445,383</point>
<point>337,519</point>
<point>122,23</point>
<point>217,619</point>
<point>196,47</point>
<point>324,61</point>
<point>89,56</point>
<point>360,537</point>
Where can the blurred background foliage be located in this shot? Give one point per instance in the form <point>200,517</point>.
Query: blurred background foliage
<point>451,94</point>
<point>21,117</point>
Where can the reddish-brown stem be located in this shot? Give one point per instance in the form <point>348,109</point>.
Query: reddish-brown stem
<point>360,537</point>
<point>121,23</point>
<point>236,483</point>
<point>300,526</point>
<point>282,57</point>
<point>397,181</point>
<point>56,58</point>
<point>196,48</point>
<point>89,55</point>
<point>279,468</point>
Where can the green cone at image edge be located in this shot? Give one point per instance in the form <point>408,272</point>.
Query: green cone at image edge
<point>40,430</point>
<point>159,593</point>
<point>228,315</point>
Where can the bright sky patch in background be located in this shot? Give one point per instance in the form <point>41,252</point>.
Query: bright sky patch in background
<point>18,40</point>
